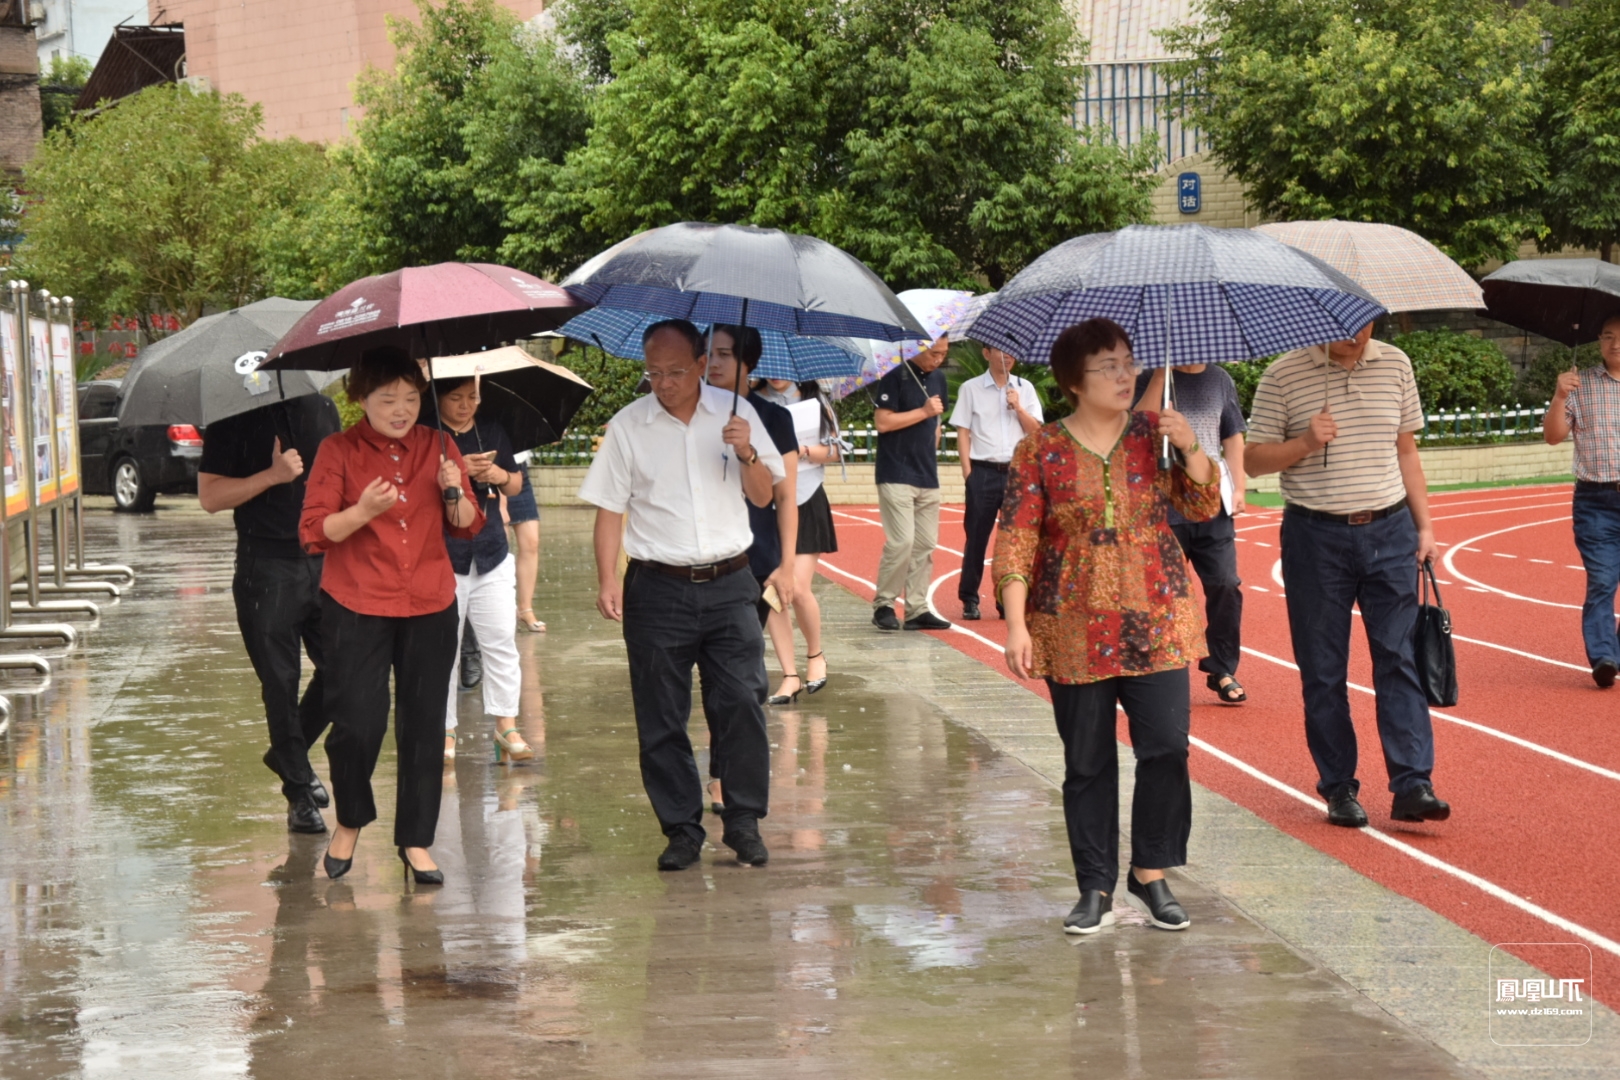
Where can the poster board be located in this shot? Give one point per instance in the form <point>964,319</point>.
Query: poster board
<point>16,492</point>
<point>43,451</point>
<point>67,430</point>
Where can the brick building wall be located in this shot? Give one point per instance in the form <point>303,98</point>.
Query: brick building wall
<point>1221,196</point>
<point>297,58</point>
<point>19,98</point>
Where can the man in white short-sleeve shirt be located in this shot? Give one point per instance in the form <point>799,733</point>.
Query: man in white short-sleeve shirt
<point>993,412</point>
<point>670,478</point>
<point>1340,424</point>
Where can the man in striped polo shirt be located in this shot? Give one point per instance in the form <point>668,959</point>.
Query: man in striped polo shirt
<point>1339,423</point>
<point>1588,404</point>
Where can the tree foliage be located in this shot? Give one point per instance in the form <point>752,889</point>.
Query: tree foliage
<point>1582,127</point>
<point>59,87</point>
<point>1457,371</point>
<point>474,98</point>
<point>162,204</point>
<point>1419,113</point>
<point>930,138</point>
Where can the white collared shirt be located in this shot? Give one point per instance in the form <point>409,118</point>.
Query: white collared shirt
<point>678,485</point>
<point>981,407</point>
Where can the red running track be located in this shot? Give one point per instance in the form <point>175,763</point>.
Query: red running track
<point>1528,760</point>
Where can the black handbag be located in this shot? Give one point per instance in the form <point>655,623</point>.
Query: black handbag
<point>1431,644</point>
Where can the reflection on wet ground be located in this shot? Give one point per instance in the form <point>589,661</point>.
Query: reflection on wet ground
<point>159,921</point>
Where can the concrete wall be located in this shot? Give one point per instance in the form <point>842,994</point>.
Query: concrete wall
<point>297,58</point>
<point>557,485</point>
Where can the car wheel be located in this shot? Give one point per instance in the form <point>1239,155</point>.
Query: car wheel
<point>130,493</point>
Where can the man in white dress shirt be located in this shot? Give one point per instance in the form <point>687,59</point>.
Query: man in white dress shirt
<point>993,412</point>
<point>670,479</point>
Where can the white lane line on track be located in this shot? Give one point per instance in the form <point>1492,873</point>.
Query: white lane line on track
<point>1526,744</point>
<point>1490,888</point>
<point>1451,567</point>
<point>1538,491</point>
<point>1544,562</point>
<point>1503,510</point>
<point>954,626</point>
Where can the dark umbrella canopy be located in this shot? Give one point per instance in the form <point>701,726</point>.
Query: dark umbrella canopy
<point>427,310</point>
<point>1186,294</point>
<point>1567,300</point>
<point>533,401</point>
<point>208,371</point>
<point>765,278</point>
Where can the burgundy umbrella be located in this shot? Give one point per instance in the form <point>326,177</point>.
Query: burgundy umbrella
<point>438,310</point>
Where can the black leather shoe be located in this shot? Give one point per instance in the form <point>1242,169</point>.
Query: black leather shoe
<point>927,621</point>
<point>745,841</point>
<point>1419,804</point>
<point>422,877</point>
<point>683,851</point>
<point>1158,901</point>
<point>1094,911</point>
<point>1603,673</point>
<point>303,817</point>
<point>1345,809</point>
<point>317,792</point>
<point>472,671</point>
<point>970,611</point>
<point>884,618</point>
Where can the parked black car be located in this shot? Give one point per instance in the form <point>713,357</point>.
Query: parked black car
<point>134,465</point>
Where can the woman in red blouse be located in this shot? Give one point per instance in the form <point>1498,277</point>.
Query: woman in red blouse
<point>1099,604</point>
<point>376,505</point>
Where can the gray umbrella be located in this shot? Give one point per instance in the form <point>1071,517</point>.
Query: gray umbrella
<point>209,370</point>
<point>1567,300</point>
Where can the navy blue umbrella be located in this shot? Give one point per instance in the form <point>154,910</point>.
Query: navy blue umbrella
<point>1186,294</point>
<point>786,356</point>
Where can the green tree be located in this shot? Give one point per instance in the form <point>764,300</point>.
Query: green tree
<point>930,138</point>
<point>585,26</point>
<point>474,98</point>
<point>59,87</point>
<point>161,204</point>
<point>1582,127</point>
<point>1457,371</point>
<point>1419,113</point>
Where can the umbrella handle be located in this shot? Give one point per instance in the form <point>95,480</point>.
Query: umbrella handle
<point>1165,460</point>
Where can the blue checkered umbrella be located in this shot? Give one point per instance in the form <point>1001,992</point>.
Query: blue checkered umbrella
<point>1186,294</point>
<point>786,356</point>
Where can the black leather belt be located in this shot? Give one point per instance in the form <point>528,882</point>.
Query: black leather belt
<point>1360,517</point>
<point>1597,485</point>
<point>999,466</point>
<point>697,574</point>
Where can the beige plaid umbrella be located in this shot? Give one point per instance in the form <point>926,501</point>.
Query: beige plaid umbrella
<point>1402,271</point>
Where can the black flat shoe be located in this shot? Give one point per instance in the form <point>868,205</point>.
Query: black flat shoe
<point>682,852</point>
<point>787,699</point>
<point>927,621</point>
<point>317,792</point>
<point>970,611</point>
<point>884,618</point>
<point>303,817</point>
<point>1163,910</point>
<point>1603,673</point>
<point>423,877</point>
<point>1230,692</point>
<point>1345,809</point>
<point>1419,804</point>
<point>747,844</point>
<point>1094,911</point>
<point>814,684</point>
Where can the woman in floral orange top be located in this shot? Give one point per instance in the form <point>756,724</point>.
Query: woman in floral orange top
<point>1099,604</point>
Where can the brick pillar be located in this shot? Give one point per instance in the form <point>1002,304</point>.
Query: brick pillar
<point>20,124</point>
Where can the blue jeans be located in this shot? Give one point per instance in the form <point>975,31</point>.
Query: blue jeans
<point>1597,536</point>
<point>1328,568</point>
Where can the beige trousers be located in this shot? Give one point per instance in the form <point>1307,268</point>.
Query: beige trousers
<point>910,531</point>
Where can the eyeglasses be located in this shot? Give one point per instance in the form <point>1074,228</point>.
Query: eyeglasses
<point>1118,371</point>
<point>676,376</point>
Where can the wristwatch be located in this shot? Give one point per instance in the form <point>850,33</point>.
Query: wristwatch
<point>755,459</point>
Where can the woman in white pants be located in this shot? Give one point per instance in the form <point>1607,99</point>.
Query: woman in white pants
<point>485,576</point>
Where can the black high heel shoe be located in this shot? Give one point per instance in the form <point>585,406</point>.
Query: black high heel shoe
<point>787,699</point>
<point>423,877</point>
<point>336,868</point>
<point>815,684</point>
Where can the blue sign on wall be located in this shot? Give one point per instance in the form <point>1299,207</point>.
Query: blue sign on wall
<point>1189,197</point>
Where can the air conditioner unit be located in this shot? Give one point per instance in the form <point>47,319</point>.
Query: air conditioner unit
<point>35,12</point>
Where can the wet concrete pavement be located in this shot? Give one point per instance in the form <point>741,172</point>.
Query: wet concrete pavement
<point>159,920</point>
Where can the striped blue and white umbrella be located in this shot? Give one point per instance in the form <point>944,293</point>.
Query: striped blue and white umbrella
<point>786,356</point>
<point>1186,294</point>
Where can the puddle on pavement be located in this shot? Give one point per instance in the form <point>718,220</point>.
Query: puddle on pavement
<point>159,921</point>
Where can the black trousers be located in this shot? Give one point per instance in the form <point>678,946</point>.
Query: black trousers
<point>1212,547</point>
<point>361,651</point>
<point>671,624</point>
<point>278,610</point>
<point>986,485</point>
<point>1157,708</point>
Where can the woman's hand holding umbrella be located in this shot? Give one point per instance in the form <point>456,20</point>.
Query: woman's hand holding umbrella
<point>1173,426</point>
